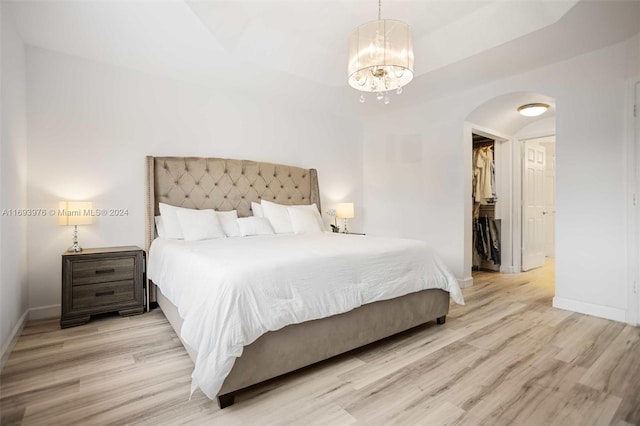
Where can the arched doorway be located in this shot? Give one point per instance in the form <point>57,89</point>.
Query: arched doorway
<point>522,227</point>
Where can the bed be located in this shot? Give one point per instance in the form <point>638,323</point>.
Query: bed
<point>224,184</point>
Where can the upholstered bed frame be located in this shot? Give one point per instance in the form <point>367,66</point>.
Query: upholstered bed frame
<point>225,184</point>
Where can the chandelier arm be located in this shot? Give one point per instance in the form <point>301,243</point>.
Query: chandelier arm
<point>364,81</point>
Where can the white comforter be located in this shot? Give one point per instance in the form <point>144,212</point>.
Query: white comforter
<point>231,291</point>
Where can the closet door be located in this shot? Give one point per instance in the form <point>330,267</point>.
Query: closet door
<point>533,230</point>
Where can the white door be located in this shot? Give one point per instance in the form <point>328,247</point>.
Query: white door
<point>533,202</point>
<point>550,200</point>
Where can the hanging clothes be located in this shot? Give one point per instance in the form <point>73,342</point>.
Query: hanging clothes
<point>486,230</point>
<point>486,240</point>
<point>484,175</point>
<point>494,233</point>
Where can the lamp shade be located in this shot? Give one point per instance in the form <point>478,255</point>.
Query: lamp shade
<point>75,213</point>
<point>345,210</point>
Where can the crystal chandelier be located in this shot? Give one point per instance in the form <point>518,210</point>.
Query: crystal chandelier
<point>380,57</point>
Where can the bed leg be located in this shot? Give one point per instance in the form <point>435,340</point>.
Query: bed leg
<point>225,400</point>
<point>441,320</point>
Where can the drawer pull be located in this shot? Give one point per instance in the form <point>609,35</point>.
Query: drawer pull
<point>105,271</point>
<point>104,293</point>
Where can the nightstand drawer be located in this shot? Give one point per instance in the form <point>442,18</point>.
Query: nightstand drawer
<point>91,295</point>
<point>104,270</point>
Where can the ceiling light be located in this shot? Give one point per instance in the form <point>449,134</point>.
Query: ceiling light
<point>533,110</point>
<point>380,57</point>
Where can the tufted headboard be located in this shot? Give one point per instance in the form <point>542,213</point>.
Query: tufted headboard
<point>223,184</point>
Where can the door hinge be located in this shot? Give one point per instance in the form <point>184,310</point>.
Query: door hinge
<point>635,287</point>
<point>635,110</point>
<point>635,200</point>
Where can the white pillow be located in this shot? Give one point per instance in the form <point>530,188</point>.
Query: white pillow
<point>278,215</point>
<point>254,226</point>
<point>229,222</point>
<point>170,221</point>
<point>199,224</point>
<point>160,228</point>
<point>256,209</point>
<point>305,220</point>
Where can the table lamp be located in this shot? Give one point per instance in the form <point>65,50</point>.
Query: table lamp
<point>345,211</point>
<point>75,213</point>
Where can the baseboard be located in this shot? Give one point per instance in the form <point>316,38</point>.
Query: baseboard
<point>42,312</point>
<point>13,338</point>
<point>465,282</point>
<point>601,311</point>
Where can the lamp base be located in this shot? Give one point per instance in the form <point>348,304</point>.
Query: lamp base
<point>75,247</point>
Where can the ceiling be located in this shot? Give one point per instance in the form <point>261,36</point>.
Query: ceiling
<point>299,47</point>
<point>502,113</point>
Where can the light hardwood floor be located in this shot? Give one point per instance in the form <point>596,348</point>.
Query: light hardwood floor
<point>506,358</point>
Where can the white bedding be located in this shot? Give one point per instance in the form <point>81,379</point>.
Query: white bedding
<point>230,291</point>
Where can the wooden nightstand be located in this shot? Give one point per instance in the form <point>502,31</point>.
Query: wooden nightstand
<point>96,281</point>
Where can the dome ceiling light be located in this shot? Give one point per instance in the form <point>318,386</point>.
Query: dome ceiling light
<point>533,110</point>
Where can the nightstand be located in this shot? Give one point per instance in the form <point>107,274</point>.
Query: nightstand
<point>96,281</point>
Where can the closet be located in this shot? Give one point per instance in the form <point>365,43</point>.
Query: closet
<point>486,228</point>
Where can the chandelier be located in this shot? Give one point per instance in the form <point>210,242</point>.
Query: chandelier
<point>380,57</point>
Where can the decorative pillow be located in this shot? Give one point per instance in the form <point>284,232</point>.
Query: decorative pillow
<point>170,221</point>
<point>160,228</point>
<point>199,224</point>
<point>305,219</point>
<point>254,226</point>
<point>257,209</point>
<point>229,222</point>
<point>278,215</point>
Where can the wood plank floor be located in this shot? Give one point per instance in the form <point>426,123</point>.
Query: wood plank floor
<point>506,358</point>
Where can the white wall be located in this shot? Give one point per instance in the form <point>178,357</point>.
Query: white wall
<point>413,178</point>
<point>422,196</point>
<point>91,124</point>
<point>13,178</point>
<point>590,184</point>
